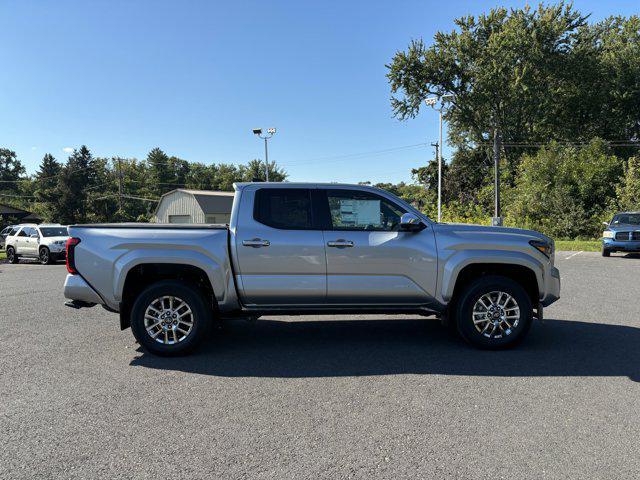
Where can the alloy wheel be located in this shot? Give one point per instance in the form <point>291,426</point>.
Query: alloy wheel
<point>168,320</point>
<point>496,314</point>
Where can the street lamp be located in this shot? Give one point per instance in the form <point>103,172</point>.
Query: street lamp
<point>433,102</point>
<point>270,133</point>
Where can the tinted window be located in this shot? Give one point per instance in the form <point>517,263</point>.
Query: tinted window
<point>354,210</point>
<point>54,231</point>
<point>23,232</point>
<point>286,208</point>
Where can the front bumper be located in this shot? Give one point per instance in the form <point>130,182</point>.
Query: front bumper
<point>552,287</point>
<point>622,246</point>
<point>76,288</point>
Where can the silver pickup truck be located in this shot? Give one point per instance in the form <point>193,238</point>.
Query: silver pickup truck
<point>293,249</point>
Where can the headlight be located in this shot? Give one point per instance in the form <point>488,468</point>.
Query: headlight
<point>542,246</point>
<point>608,234</point>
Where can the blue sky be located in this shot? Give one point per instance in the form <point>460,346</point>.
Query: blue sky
<point>194,77</point>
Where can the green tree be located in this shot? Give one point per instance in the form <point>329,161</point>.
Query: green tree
<point>565,191</point>
<point>255,171</point>
<point>535,74</point>
<point>11,170</point>
<point>77,175</point>
<point>160,171</point>
<point>628,191</point>
<point>46,187</point>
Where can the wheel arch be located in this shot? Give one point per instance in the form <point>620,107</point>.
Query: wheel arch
<point>142,275</point>
<point>523,269</point>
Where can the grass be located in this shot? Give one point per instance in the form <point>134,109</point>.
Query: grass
<point>578,245</point>
<point>3,255</point>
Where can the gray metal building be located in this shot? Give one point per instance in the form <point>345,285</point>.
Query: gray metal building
<point>194,206</point>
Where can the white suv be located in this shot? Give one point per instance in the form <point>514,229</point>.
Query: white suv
<point>44,242</point>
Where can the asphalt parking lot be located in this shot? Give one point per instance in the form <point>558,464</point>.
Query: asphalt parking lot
<point>323,397</point>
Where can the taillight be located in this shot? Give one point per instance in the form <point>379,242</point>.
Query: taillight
<point>71,260</point>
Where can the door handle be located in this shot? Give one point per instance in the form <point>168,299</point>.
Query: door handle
<point>340,243</point>
<point>256,243</point>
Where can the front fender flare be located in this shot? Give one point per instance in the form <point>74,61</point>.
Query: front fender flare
<point>463,258</point>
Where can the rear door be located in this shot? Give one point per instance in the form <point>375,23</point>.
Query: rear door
<point>279,248</point>
<point>22,241</point>
<point>369,260</point>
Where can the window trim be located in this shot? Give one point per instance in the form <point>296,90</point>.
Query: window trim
<point>310,196</point>
<point>326,211</point>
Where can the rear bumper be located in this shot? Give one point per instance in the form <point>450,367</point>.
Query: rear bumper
<point>623,246</point>
<point>76,288</point>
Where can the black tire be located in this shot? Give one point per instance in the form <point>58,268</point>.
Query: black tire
<point>192,296</point>
<point>44,255</point>
<point>606,252</point>
<point>12,257</point>
<point>473,292</point>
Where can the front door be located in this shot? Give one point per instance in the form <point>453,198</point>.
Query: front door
<point>369,260</point>
<point>279,248</point>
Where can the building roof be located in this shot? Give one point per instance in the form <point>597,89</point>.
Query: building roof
<point>210,201</point>
<point>9,210</point>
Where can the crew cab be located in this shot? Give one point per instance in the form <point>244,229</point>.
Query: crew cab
<point>294,249</point>
<point>43,242</point>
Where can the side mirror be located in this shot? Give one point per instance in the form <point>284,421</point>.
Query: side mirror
<point>410,223</point>
<point>34,235</point>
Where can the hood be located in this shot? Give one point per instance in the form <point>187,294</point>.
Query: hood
<point>469,229</point>
<point>53,239</point>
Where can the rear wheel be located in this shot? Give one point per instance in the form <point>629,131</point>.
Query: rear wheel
<point>494,312</point>
<point>12,257</point>
<point>170,318</point>
<point>45,256</point>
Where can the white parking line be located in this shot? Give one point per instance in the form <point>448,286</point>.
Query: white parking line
<point>573,255</point>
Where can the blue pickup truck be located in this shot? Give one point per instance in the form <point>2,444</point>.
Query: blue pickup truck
<point>622,234</point>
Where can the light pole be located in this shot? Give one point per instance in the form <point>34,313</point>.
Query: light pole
<point>270,133</point>
<point>433,102</point>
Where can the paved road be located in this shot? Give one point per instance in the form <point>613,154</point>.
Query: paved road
<point>328,397</point>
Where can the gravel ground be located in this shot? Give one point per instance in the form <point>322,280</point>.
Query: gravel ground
<point>323,397</point>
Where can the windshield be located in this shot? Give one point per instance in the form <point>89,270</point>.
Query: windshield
<point>54,231</point>
<point>627,219</point>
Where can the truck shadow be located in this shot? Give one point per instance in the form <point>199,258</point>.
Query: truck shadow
<point>331,348</point>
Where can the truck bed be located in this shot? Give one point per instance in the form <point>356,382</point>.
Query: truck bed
<point>181,226</point>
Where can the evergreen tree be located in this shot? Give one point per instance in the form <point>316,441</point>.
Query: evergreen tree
<point>160,170</point>
<point>46,187</point>
<point>75,177</point>
<point>10,171</point>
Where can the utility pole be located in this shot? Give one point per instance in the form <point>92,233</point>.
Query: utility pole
<point>437,147</point>
<point>433,102</point>
<point>266,158</point>
<point>270,133</point>
<point>120,184</point>
<point>497,220</point>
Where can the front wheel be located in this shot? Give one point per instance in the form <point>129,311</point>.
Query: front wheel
<point>45,256</point>
<point>494,312</point>
<point>12,257</point>
<point>606,252</point>
<point>170,318</point>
